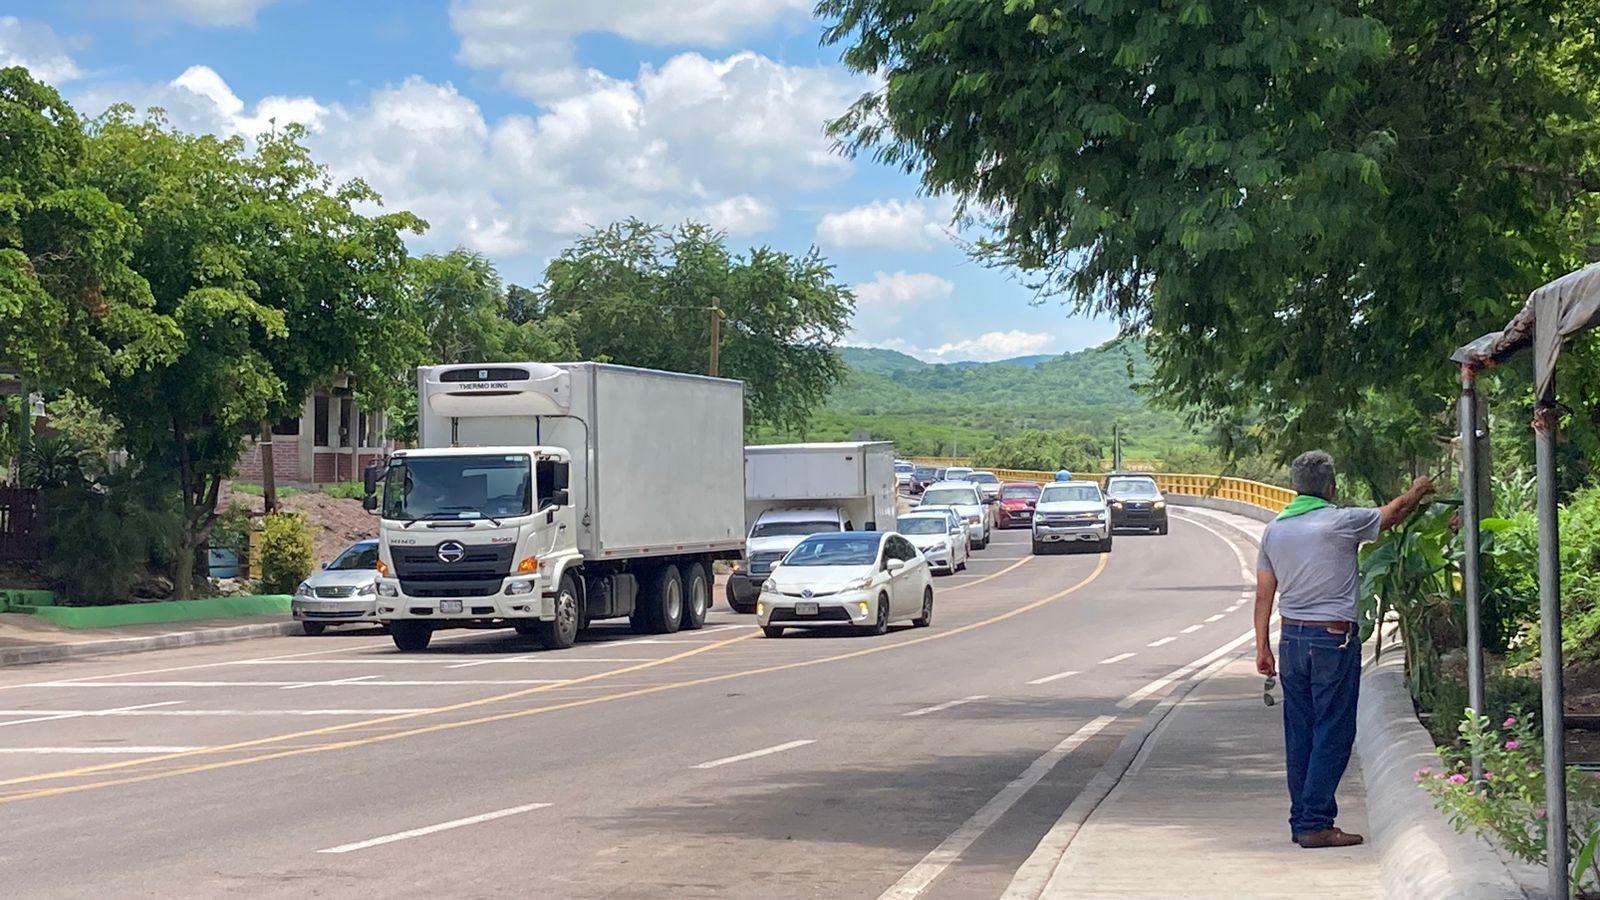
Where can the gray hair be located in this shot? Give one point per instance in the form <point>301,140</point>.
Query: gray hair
<point>1312,473</point>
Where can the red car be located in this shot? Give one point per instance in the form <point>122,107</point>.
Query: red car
<point>1017,499</point>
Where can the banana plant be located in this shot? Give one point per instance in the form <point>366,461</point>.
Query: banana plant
<point>1407,571</point>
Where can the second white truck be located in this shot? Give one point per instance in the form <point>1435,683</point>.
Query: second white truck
<point>796,490</point>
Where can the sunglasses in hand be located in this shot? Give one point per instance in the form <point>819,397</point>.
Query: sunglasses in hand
<point>1266,692</point>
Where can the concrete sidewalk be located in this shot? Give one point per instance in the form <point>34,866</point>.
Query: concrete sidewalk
<point>31,639</point>
<point>1203,812</point>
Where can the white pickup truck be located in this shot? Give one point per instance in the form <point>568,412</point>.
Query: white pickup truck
<point>546,496</point>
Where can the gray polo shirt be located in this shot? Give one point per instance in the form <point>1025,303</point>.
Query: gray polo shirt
<point>1314,557</point>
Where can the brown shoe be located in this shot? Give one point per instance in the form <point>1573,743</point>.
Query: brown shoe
<point>1328,837</point>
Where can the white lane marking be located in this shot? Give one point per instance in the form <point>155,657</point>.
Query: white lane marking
<point>485,662</point>
<point>229,684</point>
<point>914,882</point>
<point>98,749</point>
<point>40,715</point>
<point>987,558</point>
<point>432,829</point>
<point>1233,607</point>
<point>1056,677</point>
<point>949,704</point>
<point>1182,672</point>
<point>305,684</point>
<point>753,754</point>
<point>134,712</point>
<point>1116,659</point>
<point>1215,618</point>
<point>1192,629</point>
<point>1161,643</point>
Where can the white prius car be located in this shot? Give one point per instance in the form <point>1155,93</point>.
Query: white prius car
<point>861,580</point>
<point>939,534</point>
<point>963,496</point>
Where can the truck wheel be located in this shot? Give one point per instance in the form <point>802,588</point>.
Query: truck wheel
<point>563,632</point>
<point>734,604</point>
<point>1162,529</point>
<point>411,636</point>
<point>666,600</point>
<point>1105,545</point>
<point>696,596</point>
<point>313,628</point>
<point>1038,547</point>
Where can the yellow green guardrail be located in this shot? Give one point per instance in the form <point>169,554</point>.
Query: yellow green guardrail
<point>1222,487</point>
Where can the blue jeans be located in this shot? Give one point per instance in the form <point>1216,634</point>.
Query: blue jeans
<point>1321,677</point>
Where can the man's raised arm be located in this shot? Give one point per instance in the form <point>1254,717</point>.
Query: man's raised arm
<point>1400,508</point>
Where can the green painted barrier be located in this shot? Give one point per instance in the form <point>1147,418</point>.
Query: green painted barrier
<point>15,597</point>
<point>164,611</point>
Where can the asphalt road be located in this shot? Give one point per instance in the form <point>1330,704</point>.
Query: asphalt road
<point>718,763</point>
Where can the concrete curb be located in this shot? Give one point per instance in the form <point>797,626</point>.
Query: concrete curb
<point>17,656</point>
<point>1420,855</point>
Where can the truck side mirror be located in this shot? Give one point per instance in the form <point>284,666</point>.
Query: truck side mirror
<point>370,502</point>
<point>561,497</point>
<point>369,481</point>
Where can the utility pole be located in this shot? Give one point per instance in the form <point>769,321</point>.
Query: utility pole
<point>716,336</point>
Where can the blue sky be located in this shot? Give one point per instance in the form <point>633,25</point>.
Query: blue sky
<point>510,125</point>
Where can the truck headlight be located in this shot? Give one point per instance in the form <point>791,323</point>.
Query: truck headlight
<point>1159,504</point>
<point>386,589</point>
<point>519,587</point>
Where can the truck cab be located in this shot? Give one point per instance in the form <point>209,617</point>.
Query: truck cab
<point>773,534</point>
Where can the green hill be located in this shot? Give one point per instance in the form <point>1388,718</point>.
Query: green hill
<point>930,408</point>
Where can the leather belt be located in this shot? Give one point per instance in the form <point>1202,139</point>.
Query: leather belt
<point>1331,626</point>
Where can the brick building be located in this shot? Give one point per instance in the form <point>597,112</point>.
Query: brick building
<point>331,440</point>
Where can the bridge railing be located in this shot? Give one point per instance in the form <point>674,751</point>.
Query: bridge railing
<point>1221,487</point>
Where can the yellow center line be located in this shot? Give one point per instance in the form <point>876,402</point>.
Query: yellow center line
<point>512,714</point>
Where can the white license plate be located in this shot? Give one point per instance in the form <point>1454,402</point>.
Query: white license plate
<point>449,606</point>
<point>805,609</point>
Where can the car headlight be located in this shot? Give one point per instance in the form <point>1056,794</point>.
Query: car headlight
<point>736,567</point>
<point>940,547</point>
<point>304,590</point>
<point>860,584</point>
<point>1105,514</point>
<point>1159,504</point>
<point>973,520</point>
<point>1117,505</point>
<point>367,590</point>
<point>769,586</point>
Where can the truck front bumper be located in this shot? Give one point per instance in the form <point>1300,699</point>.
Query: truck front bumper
<point>1054,533</point>
<point>393,604</point>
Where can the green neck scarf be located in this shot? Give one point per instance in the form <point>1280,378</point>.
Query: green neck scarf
<point>1302,504</point>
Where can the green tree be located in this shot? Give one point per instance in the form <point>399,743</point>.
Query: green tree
<point>642,295</point>
<point>1042,451</point>
<point>1305,204</point>
<point>275,283</point>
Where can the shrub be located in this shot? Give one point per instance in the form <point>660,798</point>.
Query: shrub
<point>232,530</point>
<point>103,539</point>
<point>345,490</point>
<point>1042,450</point>
<point>1509,803</point>
<point>285,553</point>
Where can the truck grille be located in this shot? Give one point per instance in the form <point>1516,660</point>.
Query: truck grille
<point>479,573</point>
<point>761,563</point>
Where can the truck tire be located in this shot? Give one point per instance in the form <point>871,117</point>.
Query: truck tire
<point>734,604</point>
<point>666,600</point>
<point>411,636</point>
<point>563,632</point>
<point>696,595</point>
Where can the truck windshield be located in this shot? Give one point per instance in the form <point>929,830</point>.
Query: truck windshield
<point>791,529</point>
<point>459,487</point>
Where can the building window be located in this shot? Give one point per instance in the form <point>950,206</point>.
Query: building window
<point>319,431</point>
<point>288,427</point>
<point>346,410</point>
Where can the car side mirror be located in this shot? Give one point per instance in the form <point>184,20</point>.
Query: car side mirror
<point>894,565</point>
<point>326,565</point>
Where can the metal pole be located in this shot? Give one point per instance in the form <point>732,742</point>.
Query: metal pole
<point>1470,517</point>
<point>716,337</point>
<point>1555,751</point>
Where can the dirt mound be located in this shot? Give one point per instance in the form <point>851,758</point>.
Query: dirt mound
<point>335,524</point>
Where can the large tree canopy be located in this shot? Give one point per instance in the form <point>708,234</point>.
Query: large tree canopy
<point>1304,204</point>
<point>638,294</point>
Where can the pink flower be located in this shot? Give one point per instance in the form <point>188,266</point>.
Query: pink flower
<point>1541,812</point>
<point>1458,779</point>
<point>1488,775</point>
<point>1510,722</point>
<point>1512,745</point>
<point>1423,773</point>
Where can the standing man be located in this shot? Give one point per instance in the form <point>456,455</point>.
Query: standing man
<point>1308,559</point>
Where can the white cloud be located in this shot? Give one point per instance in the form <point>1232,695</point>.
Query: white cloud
<point>35,47</point>
<point>902,289</point>
<point>886,225</point>
<point>530,42</point>
<point>205,13</point>
<point>986,347</point>
<point>710,139</point>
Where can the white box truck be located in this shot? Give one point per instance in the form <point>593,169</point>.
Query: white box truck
<point>795,490</point>
<point>545,496</point>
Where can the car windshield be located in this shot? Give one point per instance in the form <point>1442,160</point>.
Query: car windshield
<point>924,473</point>
<point>1070,493</point>
<point>1020,492</point>
<point>984,478</point>
<point>922,525</point>
<point>835,550</point>
<point>957,474</point>
<point>358,556</point>
<point>791,529</point>
<point>951,496</point>
<point>459,487</point>
<point>1133,487</point>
